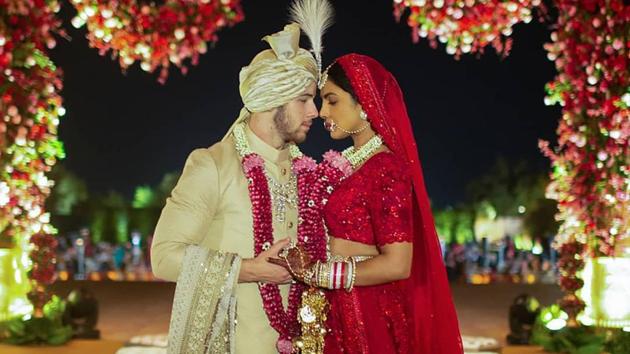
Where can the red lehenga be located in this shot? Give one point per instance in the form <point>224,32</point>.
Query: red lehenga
<point>385,201</point>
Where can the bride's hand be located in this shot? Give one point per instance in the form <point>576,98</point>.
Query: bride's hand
<point>296,260</point>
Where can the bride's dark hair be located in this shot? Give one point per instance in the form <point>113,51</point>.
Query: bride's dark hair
<point>339,77</point>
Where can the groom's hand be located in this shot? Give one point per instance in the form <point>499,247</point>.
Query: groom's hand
<point>259,270</point>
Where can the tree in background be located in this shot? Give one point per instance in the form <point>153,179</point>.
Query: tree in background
<point>516,189</point>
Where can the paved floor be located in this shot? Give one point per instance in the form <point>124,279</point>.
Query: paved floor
<point>128,309</point>
<point>135,308</point>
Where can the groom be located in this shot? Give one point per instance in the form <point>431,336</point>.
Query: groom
<point>206,235</point>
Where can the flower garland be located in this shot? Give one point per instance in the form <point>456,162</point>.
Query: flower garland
<point>466,26</point>
<point>155,36</point>
<point>30,108</point>
<point>570,262</point>
<point>43,271</point>
<point>309,228</point>
<point>591,176</point>
<point>590,48</point>
<point>326,177</point>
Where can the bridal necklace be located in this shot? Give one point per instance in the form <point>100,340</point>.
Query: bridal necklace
<point>362,154</point>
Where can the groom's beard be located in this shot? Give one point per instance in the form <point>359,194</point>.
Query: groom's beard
<point>282,122</point>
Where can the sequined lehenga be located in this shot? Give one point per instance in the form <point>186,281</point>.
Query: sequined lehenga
<point>372,206</point>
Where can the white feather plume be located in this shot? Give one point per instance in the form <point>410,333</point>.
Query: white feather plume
<point>314,18</point>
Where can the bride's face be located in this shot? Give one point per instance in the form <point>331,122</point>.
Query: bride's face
<point>339,109</point>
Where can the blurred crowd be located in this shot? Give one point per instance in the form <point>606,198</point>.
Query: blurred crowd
<point>483,262</point>
<point>79,258</point>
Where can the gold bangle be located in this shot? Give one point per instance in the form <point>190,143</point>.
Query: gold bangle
<point>354,274</point>
<point>324,276</point>
<point>347,277</point>
<point>319,274</point>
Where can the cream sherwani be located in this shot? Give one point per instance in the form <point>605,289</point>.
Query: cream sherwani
<point>210,208</point>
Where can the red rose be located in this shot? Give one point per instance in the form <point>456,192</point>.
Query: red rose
<point>571,284</point>
<point>37,132</point>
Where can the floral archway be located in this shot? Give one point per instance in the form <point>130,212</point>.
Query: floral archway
<point>156,37</point>
<point>590,46</point>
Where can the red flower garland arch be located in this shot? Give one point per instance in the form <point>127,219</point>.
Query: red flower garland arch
<point>155,36</point>
<point>466,26</point>
<point>591,50</point>
<point>31,107</point>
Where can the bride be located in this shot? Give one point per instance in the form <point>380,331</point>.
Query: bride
<point>388,291</point>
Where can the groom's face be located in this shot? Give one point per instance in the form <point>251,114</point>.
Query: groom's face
<point>294,119</point>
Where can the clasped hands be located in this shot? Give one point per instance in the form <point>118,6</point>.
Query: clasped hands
<point>335,274</point>
<point>279,264</point>
<point>297,261</point>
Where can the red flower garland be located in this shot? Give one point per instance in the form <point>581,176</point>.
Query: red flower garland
<point>156,36</point>
<point>591,51</point>
<point>30,106</point>
<point>333,169</point>
<point>43,272</point>
<point>314,183</point>
<point>263,234</point>
<point>591,177</point>
<point>570,263</point>
<point>284,322</point>
<point>466,26</point>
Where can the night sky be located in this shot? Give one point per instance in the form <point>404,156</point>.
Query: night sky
<point>125,130</point>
